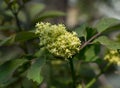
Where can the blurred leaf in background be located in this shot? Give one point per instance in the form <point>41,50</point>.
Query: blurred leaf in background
<point>18,42</point>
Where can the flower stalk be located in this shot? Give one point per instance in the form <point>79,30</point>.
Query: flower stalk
<point>72,72</point>
<point>97,76</point>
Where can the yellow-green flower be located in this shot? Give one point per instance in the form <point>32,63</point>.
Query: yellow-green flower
<point>65,46</point>
<point>113,57</point>
<point>48,33</point>
<point>57,40</point>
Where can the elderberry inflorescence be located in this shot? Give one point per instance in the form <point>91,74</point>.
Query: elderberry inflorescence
<point>57,40</point>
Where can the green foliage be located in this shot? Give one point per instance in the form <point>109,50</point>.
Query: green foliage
<point>35,69</point>
<point>91,54</point>
<point>85,31</point>
<point>108,43</point>
<point>48,14</point>
<point>34,72</point>
<point>35,9</point>
<point>8,55</point>
<point>8,68</point>
<point>106,23</point>
<point>6,27</point>
<point>20,57</point>
<point>81,31</point>
<point>19,37</point>
<point>25,64</point>
<point>7,41</point>
<point>24,36</point>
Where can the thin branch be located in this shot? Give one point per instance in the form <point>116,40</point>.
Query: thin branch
<point>87,42</point>
<point>97,76</point>
<point>17,21</point>
<point>15,13</point>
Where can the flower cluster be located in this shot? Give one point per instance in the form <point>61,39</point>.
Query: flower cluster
<point>113,57</point>
<point>57,40</point>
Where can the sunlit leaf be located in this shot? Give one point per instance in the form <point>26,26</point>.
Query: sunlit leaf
<point>107,42</point>
<point>106,23</point>
<point>34,72</point>
<point>91,55</point>
<point>81,31</point>
<point>114,28</point>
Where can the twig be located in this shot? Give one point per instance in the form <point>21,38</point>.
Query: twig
<point>87,42</point>
<point>17,21</point>
<point>15,13</point>
<point>97,76</point>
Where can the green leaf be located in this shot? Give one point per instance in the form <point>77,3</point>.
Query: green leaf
<point>90,32</point>
<point>90,54</point>
<point>24,36</point>
<point>19,37</point>
<point>22,16</point>
<point>7,41</point>
<point>11,81</point>
<point>7,69</point>
<point>40,52</point>
<point>3,6</point>
<point>48,14</point>
<point>110,44</point>
<point>9,13</point>
<point>7,54</point>
<point>85,31</point>
<point>112,29</point>
<point>34,9</point>
<point>118,37</point>
<point>106,23</point>
<point>8,27</point>
<point>81,31</point>
<point>34,72</point>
